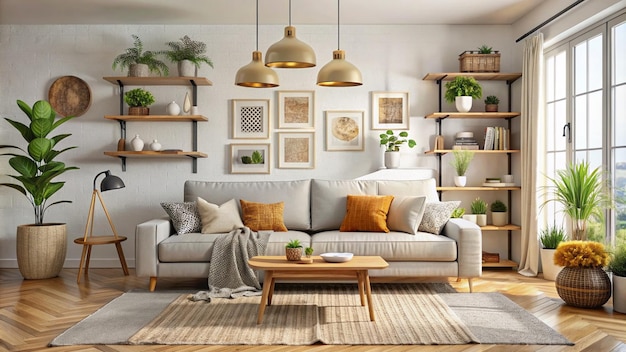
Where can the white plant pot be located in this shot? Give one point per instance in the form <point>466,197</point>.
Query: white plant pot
<point>138,70</point>
<point>392,160</point>
<point>619,294</point>
<point>499,218</point>
<point>550,270</point>
<point>481,219</point>
<point>187,68</point>
<point>470,217</point>
<point>460,181</point>
<point>463,104</point>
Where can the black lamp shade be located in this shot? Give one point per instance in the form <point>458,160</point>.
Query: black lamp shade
<point>109,182</point>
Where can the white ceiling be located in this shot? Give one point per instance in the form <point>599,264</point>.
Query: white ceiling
<point>270,11</point>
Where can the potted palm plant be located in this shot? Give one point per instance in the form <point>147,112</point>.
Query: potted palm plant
<point>41,246</point>
<point>139,62</point>
<point>188,54</point>
<point>461,162</point>
<point>617,266</point>
<point>550,238</point>
<point>392,145</point>
<point>461,90</point>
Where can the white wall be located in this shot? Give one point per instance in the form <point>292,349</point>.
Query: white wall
<point>391,58</point>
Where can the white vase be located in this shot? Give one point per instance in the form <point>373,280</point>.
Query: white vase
<point>499,218</point>
<point>481,219</point>
<point>619,294</point>
<point>137,143</point>
<point>463,103</point>
<point>470,217</point>
<point>155,145</point>
<point>460,181</point>
<point>187,104</point>
<point>173,109</point>
<point>550,270</point>
<point>392,160</point>
<point>186,68</point>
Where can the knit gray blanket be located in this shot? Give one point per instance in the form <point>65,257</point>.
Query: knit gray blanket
<point>229,273</point>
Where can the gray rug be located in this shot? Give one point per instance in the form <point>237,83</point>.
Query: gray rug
<point>488,318</point>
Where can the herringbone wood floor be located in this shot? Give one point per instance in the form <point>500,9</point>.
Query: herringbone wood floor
<point>33,312</point>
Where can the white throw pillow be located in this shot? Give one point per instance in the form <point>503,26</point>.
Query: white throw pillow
<point>405,214</point>
<point>219,219</point>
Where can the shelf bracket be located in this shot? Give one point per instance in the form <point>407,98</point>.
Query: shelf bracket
<point>194,92</point>
<point>121,85</point>
<point>123,159</point>
<point>122,129</point>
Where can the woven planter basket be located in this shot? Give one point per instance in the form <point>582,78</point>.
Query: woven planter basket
<point>471,62</point>
<point>583,287</point>
<point>41,250</point>
<point>293,254</point>
<point>138,110</point>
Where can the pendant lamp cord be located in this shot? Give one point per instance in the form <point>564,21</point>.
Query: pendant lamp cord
<point>289,13</point>
<point>338,25</point>
<point>257,25</point>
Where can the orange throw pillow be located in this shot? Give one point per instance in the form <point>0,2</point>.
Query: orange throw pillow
<point>366,213</point>
<point>261,216</point>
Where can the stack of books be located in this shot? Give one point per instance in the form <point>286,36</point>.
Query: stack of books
<point>465,141</point>
<point>497,138</point>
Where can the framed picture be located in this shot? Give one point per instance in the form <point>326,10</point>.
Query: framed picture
<point>296,109</point>
<point>251,118</point>
<point>344,130</point>
<point>296,150</point>
<point>250,158</point>
<point>390,110</point>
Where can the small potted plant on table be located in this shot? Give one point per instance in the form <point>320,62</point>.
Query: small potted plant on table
<point>392,145</point>
<point>138,101</point>
<point>293,250</point>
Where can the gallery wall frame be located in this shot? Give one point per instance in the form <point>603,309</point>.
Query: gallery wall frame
<point>296,150</point>
<point>390,110</point>
<point>296,109</point>
<point>251,118</point>
<point>240,166</point>
<point>344,130</point>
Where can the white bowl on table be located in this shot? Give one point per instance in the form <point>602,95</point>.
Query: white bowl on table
<point>336,257</point>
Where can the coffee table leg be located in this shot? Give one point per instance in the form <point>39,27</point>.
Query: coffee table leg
<point>269,297</point>
<point>267,286</point>
<point>361,283</point>
<point>368,291</point>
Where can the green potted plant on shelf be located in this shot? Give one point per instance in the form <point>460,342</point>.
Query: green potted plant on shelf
<point>479,208</point>
<point>461,90</point>
<point>491,103</point>
<point>188,54</point>
<point>41,246</point>
<point>499,215</point>
<point>138,101</point>
<point>550,238</point>
<point>139,62</point>
<point>617,266</point>
<point>293,250</point>
<point>461,162</point>
<point>392,145</point>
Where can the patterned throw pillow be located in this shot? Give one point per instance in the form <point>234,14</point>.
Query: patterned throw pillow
<point>219,218</point>
<point>184,216</point>
<point>436,215</point>
<point>405,213</point>
<point>366,213</point>
<point>261,216</point>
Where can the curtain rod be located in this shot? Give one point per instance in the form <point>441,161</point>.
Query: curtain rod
<point>559,14</point>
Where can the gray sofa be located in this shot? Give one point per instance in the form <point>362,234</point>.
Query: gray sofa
<point>313,212</point>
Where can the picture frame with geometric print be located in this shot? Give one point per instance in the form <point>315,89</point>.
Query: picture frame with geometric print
<point>390,110</point>
<point>296,109</point>
<point>251,118</point>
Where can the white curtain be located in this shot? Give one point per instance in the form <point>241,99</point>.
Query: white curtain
<point>531,143</point>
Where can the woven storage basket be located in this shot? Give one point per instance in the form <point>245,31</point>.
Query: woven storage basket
<point>470,62</point>
<point>583,287</point>
<point>293,254</point>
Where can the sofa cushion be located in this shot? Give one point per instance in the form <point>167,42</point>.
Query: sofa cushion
<point>405,214</point>
<point>436,215</point>
<point>262,216</point>
<point>392,246</point>
<point>219,218</point>
<point>295,195</point>
<point>366,213</point>
<point>427,188</point>
<point>184,216</point>
<point>329,199</point>
<point>198,247</point>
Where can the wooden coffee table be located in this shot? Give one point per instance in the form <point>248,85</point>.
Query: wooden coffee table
<point>277,267</point>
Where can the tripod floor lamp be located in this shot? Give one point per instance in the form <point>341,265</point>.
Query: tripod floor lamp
<point>88,240</point>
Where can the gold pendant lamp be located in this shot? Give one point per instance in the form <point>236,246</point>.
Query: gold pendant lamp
<point>339,72</point>
<point>256,74</point>
<point>290,52</point>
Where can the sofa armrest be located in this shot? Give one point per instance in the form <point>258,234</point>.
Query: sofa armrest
<point>148,235</point>
<point>468,237</point>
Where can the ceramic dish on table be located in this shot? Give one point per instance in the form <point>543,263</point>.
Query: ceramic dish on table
<point>336,257</point>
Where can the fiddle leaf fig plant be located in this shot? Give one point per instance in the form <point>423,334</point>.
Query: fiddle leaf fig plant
<point>36,166</point>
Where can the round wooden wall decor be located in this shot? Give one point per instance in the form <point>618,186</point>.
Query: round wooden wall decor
<point>69,96</point>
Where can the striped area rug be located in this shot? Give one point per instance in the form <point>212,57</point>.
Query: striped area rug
<point>306,314</point>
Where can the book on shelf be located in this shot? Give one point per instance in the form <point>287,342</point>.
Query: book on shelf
<point>497,138</point>
<point>465,147</point>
